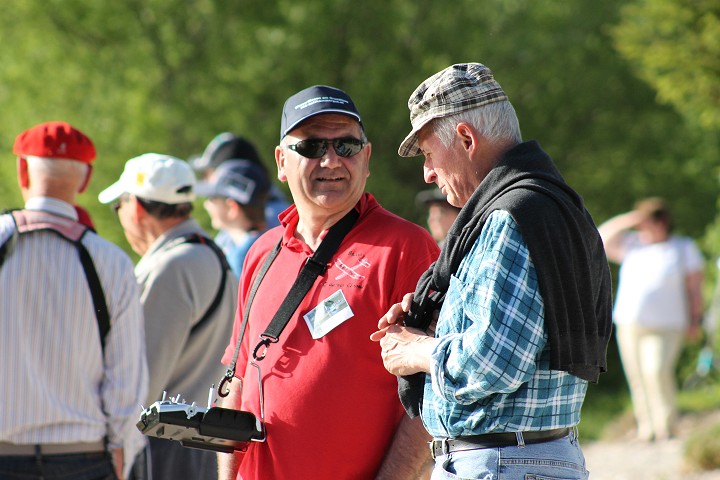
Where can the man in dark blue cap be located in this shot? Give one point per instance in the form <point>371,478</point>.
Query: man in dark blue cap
<point>330,408</point>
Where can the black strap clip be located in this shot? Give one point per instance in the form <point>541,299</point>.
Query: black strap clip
<point>264,343</point>
<point>229,374</point>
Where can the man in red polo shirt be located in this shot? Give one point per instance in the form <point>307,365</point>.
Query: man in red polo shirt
<point>331,410</point>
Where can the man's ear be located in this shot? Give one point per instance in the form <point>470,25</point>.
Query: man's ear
<point>139,208</point>
<point>280,161</point>
<point>467,136</point>
<point>22,170</point>
<point>137,213</point>
<point>233,208</point>
<point>85,183</point>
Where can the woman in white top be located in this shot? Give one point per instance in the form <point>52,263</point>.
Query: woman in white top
<point>658,302</point>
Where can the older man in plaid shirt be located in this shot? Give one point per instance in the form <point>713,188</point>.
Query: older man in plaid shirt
<point>521,293</point>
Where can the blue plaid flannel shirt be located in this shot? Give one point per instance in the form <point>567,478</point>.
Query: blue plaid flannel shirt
<point>491,369</point>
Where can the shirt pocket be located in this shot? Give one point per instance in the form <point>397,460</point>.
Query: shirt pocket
<point>461,309</point>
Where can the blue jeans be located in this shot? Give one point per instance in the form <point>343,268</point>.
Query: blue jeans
<point>557,459</point>
<point>77,466</point>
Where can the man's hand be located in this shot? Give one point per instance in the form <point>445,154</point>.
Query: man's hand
<point>396,314</point>
<point>228,463</point>
<point>405,350</point>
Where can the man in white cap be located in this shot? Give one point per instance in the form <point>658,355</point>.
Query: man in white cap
<point>507,328</point>
<point>73,353</point>
<point>188,294</point>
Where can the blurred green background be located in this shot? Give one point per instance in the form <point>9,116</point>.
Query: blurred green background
<point>624,95</point>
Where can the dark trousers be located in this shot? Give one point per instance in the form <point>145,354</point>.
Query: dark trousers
<point>169,460</point>
<point>76,466</point>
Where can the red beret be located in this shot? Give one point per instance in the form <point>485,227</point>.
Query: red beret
<point>55,140</point>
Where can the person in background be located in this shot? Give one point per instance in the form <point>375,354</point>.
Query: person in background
<point>73,355</point>
<point>658,303</point>
<point>236,195</point>
<point>441,214</point>
<point>188,296</point>
<point>331,409</point>
<point>228,146</point>
<point>507,328</point>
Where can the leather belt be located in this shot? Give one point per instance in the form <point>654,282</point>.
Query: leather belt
<point>494,440</point>
<point>12,449</point>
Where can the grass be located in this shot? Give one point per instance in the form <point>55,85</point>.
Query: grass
<point>702,449</point>
<point>699,400</point>
<point>603,409</point>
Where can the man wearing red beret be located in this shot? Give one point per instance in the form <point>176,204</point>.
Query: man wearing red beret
<point>73,356</point>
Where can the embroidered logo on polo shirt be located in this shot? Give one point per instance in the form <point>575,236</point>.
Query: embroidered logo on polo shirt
<point>352,272</point>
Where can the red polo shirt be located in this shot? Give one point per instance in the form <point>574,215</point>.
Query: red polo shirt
<point>331,408</point>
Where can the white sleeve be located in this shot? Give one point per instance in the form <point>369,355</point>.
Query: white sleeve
<point>693,258</point>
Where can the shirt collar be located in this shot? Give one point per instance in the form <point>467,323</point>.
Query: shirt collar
<point>52,205</point>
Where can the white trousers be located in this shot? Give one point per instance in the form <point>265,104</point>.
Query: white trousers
<point>649,357</point>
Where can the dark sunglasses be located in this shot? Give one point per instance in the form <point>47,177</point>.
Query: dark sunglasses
<point>317,147</point>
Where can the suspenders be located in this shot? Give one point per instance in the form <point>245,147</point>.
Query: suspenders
<point>28,221</point>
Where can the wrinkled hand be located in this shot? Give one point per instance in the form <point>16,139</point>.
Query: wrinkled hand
<point>405,350</point>
<point>396,314</point>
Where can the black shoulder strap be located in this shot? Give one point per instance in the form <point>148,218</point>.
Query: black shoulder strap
<point>315,265</point>
<point>98,296</point>
<point>225,267</point>
<point>8,246</point>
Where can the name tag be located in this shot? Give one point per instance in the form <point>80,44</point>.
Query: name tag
<point>329,313</point>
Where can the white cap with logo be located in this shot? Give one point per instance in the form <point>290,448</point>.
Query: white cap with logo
<point>156,177</point>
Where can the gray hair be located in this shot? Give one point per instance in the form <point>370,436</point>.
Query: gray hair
<point>495,121</point>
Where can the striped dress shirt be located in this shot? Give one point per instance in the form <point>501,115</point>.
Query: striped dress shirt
<point>56,386</point>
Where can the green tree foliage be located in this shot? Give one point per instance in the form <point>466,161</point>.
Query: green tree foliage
<point>167,75</point>
<point>674,45</point>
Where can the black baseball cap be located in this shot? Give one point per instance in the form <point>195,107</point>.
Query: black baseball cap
<point>225,146</point>
<point>313,101</point>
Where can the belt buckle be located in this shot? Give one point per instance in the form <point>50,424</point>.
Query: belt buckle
<point>444,448</point>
